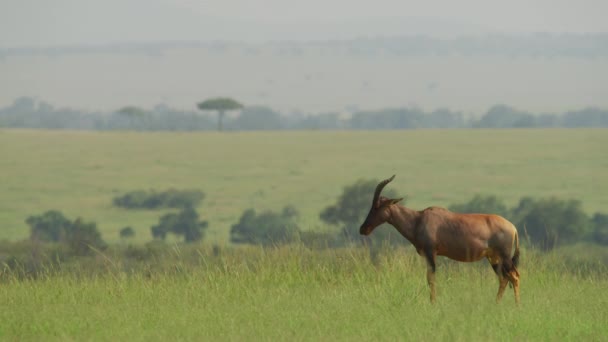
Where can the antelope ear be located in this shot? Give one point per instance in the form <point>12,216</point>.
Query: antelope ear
<point>395,200</point>
<point>388,202</point>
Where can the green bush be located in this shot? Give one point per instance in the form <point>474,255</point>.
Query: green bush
<point>550,222</point>
<point>266,228</point>
<point>185,223</point>
<point>171,198</point>
<point>127,232</point>
<point>480,204</point>
<point>84,238</point>
<point>50,226</point>
<point>600,228</point>
<point>80,237</point>
<point>350,211</point>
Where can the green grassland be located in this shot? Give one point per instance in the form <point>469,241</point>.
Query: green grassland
<point>293,293</point>
<point>199,292</point>
<point>79,173</point>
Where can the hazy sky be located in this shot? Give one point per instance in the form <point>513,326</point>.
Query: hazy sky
<point>53,22</point>
<point>314,83</point>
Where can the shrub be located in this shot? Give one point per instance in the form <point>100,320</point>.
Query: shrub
<point>550,222</point>
<point>80,237</point>
<point>600,228</point>
<point>266,228</point>
<point>185,223</point>
<point>482,205</point>
<point>84,237</point>
<point>127,232</point>
<point>171,198</point>
<point>350,211</point>
<point>49,227</point>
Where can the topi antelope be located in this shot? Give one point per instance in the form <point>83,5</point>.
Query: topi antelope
<point>462,237</point>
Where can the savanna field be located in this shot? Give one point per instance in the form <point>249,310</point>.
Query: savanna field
<point>227,292</point>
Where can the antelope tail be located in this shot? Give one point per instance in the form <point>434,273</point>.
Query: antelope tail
<point>515,258</point>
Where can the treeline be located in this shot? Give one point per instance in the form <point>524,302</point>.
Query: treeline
<point>545,223</point>
<point>27,112</point>
<point>55,240</point>
<point>530,45</point>
<point>571,45</point>
<point>152,199</point>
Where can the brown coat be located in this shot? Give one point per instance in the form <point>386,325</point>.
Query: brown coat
<point>462,237</point>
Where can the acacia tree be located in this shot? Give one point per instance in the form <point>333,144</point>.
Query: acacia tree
<point>221,105</point>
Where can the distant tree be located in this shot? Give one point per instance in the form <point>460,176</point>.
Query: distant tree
<point>600,228</point>
<point>127,233</point>
<point>502,116</point>
<point>51,226</point>
<point>547,120</point>
<point>132,117</point>
<point>319,121</point>
<point>588,117</point>
<point>266,228</point>
<point>171,198</point>
<point>221,105</point>
<point>352,207</point>
<point>189,226</point>
<point>82,238</point>
<point>550,222</point>
<point>398,118</point>
<point>480,204</point>
<point>443,118</point>
<point>161,230</point>
<point>258,118</point>
<point>78,235</point>
<point>45,108</point>
<point>185,223</point>
<point>132,112</point>
<point>24,105</point>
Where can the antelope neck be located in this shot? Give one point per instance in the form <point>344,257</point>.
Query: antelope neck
<point>404,220</point>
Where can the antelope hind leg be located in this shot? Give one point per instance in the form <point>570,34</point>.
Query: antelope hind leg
<point>502,280</point>
<point>430,278</point>
<point>502,285</point>
<point>430,271</point>
<point>513,277</point>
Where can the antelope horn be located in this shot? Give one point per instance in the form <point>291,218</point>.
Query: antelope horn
<point>379,188</point>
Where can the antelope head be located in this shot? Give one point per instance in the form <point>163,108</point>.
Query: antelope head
<point>379,212</point>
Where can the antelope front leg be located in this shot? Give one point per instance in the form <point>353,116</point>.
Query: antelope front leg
<point>430,272</point>
<point>430,278</point>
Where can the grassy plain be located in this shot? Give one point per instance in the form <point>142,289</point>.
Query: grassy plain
<point>79,173</point>
<point>292,293</point>
<point>296,294</point>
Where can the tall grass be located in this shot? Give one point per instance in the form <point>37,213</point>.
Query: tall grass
<point>291,292</point>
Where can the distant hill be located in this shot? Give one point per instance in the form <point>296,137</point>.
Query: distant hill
<point>539,72</point>
<point>591,45</point>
